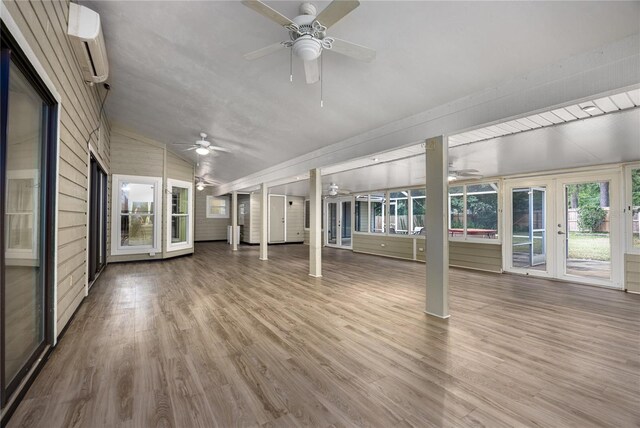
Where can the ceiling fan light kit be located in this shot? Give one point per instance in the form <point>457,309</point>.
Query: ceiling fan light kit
<point>307,36</point>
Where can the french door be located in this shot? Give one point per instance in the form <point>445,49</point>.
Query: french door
<point>97,219</point>
<point>338,230</point>
<point>565,227</point>
<point>28,120</point>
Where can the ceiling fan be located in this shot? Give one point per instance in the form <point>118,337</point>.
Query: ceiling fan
<point>204,147</point>
<point>334,190</point>
<point>307,34</point>
<point>455,174</point>
<point>201,183</point>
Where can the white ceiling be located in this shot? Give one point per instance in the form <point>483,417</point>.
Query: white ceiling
<point>177,68</point>
<point>602,139</point>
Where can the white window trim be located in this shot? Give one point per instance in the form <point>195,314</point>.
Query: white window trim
<point>188,244</point>
<point>465,237</point>
<point>227,206</point>
<point>116,248</point>
<point>628,212</point>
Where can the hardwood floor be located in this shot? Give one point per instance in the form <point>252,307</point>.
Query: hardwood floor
<point>223,339</point>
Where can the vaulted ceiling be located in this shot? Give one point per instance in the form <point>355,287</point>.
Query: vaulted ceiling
<point>177,68</point>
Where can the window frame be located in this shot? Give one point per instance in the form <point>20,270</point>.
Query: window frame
<point>116,248</point>
<point>188,244</point>
<point>465,237</point>
<point>227,205</point>
<point>628,208</point>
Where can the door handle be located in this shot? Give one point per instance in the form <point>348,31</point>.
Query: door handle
<point>561,233</point>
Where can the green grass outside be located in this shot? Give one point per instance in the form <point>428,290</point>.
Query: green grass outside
<point>586,246</point>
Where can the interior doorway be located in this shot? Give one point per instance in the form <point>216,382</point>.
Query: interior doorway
<point>97,220</point>
<point>277,219</point>
<point>338,230</point>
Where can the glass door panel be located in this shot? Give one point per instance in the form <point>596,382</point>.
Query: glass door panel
<point>587,242</point>
<point>345,224</point>
<point>332,226</point>
<point>24,305</point>
<point>528,231</point>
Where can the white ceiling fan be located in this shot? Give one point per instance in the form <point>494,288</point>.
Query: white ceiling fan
<point>307,34</point>
<point>204,147</point>
<point>455,174</point>
<point>201,183</point>
<point>334,190</point>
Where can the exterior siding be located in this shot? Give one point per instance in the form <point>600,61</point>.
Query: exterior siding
<point>468,255</point>
<point>44,25</point>
<point>208,229</point>
<point>632,272</point>
<point>133,154</point>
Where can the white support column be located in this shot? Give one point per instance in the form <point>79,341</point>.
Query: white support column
<point>437,245</point>
<point>264,220</point>
<point>234,221</point>
<point>315,228</point>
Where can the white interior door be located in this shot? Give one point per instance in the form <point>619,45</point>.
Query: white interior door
<point>277,219</point>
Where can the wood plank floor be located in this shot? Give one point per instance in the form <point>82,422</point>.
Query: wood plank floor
<point>223,339</point>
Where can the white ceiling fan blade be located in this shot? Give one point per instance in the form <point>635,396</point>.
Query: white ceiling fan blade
<point>337,10</point>
<point>191,148</point>
<point>352,50</point>
<point>270,13</point>
<point>264,51</point>
<point>312,71</point>
<point>219,149</point>
<point>465,171</point>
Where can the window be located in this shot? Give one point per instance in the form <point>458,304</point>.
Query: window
<point>362,213</point>
<point>180,224</point>
<point>399,213</point>
<point>418,210</point>
<point>633,196</point>
<point>137,222</point>
<point>217,207</point>
<point>377,209</point>
<point>473,211</point>
<point>307,213</point>
<point>22,225</point>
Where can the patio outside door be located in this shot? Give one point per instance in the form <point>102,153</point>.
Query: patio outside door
<point>565,227</point>
<point>338,229</point>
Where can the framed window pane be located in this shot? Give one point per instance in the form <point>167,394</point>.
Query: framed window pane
<point>377,217</point>
<point>456,211</point>
<point>482,211</point>
<point>136,230</point>
<point>418,205</point>
<point>179,200</point>
<point>307,214</point>
<point>362,213</point>
<point>399,213</point>
<point>217,207</point>
<point>179,225</point>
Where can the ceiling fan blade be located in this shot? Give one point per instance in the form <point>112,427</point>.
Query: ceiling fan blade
<point>263,52</point>
<point>337,10</point>
<point>191,148</point>
<point>466,171</point>
<point>352,50</point>
<point>219,149</point>
<point>270,13</point>
<point>312,71</point>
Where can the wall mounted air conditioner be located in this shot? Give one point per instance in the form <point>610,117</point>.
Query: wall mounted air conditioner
<point>88,43</point>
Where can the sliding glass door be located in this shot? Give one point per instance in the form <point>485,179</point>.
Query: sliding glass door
<point>27,133</point>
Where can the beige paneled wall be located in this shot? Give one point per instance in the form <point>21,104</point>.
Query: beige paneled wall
<point>209,229</point>
<point>632,272</point>
<point>134,154</point>
<point>469,255</point>
<point>43,25</point>
<point>295,218</point>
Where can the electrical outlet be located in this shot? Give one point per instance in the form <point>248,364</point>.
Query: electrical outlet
<point>420,249</point>
<point>383,245</point>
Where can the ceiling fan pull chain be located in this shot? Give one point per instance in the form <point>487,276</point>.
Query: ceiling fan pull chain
<point>291,65</point>
<point>321,78</point>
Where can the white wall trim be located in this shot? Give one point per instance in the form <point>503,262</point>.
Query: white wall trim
<point>169,247</point>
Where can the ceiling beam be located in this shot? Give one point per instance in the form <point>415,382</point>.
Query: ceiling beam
<point>601,72</point>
